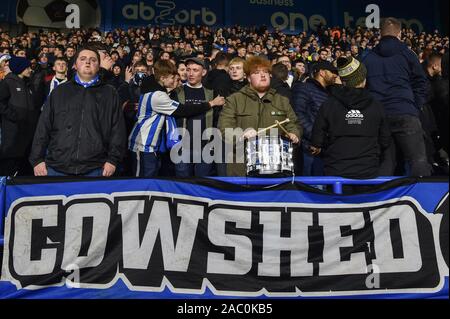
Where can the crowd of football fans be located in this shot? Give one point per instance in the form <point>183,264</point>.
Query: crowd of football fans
<point>38,62</point>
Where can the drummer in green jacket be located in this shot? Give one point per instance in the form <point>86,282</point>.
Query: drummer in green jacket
<point>256,106</point>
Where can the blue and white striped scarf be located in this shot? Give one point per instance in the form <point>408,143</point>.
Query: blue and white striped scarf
<point>169,138</point>
<point>171,134</point>
<point>54,83</point>
<point>86,84</point>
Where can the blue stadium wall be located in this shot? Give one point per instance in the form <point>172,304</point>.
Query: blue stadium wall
<point>288,15</point>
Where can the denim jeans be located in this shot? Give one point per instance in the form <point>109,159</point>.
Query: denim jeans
<point>191,169</point>
<point>95,173</point>
<point>312,165</point>
<point>408,137</point>
<point>146,164</point>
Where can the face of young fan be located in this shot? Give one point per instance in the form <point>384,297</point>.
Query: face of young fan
<point>236,71</point>
<point>3,64</point>
<point>260,80</point>
<point>169,81</point>
<point>242,52</point>
<point>165,56</point>
<point>21,53</point>
<point>195,73</point>
<point>117,70</point>
<point>70,52</point>
<point>182,71</point>
<point>27,72</point>
<point>60,67</point>
<point>300,67</point>
<point>141,69</point>
<point>286,61</point>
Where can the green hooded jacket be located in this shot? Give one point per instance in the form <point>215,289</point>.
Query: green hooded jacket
<point>244,109</point>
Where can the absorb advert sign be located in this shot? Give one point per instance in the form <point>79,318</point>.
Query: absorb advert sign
<point>167,13</point>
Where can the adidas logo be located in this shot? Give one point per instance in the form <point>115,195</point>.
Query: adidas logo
<point>354,114</point>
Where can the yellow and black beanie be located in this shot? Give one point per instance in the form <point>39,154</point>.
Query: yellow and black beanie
<point>351,71</point>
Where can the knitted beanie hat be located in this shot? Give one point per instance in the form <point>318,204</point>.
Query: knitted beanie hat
<point>351,71</point>
<point>18,64</point>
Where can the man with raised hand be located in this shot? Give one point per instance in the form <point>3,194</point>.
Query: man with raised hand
<point>155,130</point>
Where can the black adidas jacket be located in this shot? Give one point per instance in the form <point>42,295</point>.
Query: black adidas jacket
<point>352,131</point>
<point>80,129</point>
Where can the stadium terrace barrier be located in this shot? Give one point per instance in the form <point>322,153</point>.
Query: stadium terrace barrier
<point>336,182</point>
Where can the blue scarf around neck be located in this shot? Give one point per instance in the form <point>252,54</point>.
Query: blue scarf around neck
<point>86,84</point>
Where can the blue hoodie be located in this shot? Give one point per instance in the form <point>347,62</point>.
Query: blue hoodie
<point>396,78</point>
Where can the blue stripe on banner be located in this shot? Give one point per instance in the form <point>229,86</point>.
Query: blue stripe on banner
<point>121,291</point>
<point>421,192</point>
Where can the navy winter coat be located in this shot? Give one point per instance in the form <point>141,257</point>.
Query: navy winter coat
<point>307,98</point>
<point>395,77</point>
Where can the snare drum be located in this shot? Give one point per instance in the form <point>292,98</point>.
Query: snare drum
<point>269,155</point>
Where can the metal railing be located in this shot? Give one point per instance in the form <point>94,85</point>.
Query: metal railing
<point>336,182</point>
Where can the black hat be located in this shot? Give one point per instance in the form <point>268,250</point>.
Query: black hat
<point>324,65</point>
<point>18,64</point>
<point>196,61</point>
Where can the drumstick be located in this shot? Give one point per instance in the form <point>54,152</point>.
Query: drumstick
<point>284,130</point>
<point>273,126</point>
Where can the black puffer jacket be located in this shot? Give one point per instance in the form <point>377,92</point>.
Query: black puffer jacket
<point>440,103</point>
<point>18,114</point>
<point>236,86</point>
<point>307,98</point>
<point>352,131</point>
<point>281,87</point>
<point>80,129</point>
<point>219,81</point>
